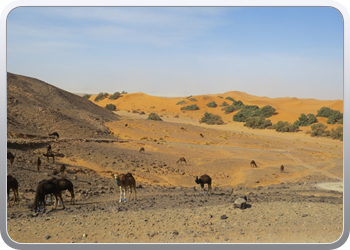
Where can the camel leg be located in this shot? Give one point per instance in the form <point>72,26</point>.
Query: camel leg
<point>130,192</point>
<point>135,193</point>
<point>120,194</point>
<point>63,207</point>
<point>8,198</point>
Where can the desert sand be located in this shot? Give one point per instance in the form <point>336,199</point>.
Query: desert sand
<point>303,204</point>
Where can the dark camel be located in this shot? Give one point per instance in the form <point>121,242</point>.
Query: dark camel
<point>253,164</point>
<point>12,183</point>
<point>46,187</point>
<point>182,159</point>
<point>204,179</point>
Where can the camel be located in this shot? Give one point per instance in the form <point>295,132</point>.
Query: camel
<point>201,135</point>
<point>61,170</point>
<point>38,164</point>
<point>55,134</point>
<point>49,149</point>
<point>12,183</point>
<point>123,182</point>
<point>253,164</point>
<point>204,179</point>
<point>65,184</point>
<point>182,159</point>
<point>11,157</point>
<point>142,149</point>
<point>48,155</point>
<point>46,187</point>
<point>282,168</point>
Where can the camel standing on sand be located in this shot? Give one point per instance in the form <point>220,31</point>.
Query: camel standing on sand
<point>38,164</point>
<point>46,187</point>
<point>123,182</point>
<point>48,155</point>
<point>142,149</point>
<point>253,164</point>
<point>12,183</point>
<point>204,179</point>
<point>182,159</point>
<point>282,168</point>
<point>65,184</point>
<point>10,157</point>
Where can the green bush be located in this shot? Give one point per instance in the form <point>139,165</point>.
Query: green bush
<point>319,130</point>
<point>101,96</point>
<point>115,96</point>
<point>238,104</point>
<point>335,117</point>
<point>211,119</point>
<point>87,96</point>
<point>245,113</point>
<point>285,127</point>
<point>181,102</point>
<point>257,123</point>
<point>337,134</point>
<point>192,99</point>
<point>265,111</point>
<point>324,112</point>
<point>306,120</point>
<point>212,104</point>
<point>229,109</point>
<point>154,117</point>
<point>224,104</point>
<point>111,107</point>
<point>230,98</point>
<point>190,107</point>
<point>124,92</point>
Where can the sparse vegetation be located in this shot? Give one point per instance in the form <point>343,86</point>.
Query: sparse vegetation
<point>111,107</point>
<point>337,134</point>
<point>211,119</point>
<point>192,99</point>
<point>181,102</point>
<point>324,112</point>
<point>101,96</point>
<point>224,104</point>
<point>190,107</point>
<point>87,96</point>
<point>285,127</point>
<point>335,117</point>
<point>257,123</point>
<point>229,109</point>
<point>212,104</point>
<point>306,120</point>
<point>319,129</point>
<point>115,96</point>
<point>230,98</point>
<point>250,111</point>
<point>154,117</point>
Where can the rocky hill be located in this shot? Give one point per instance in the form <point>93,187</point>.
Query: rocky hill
<point>36,108</point>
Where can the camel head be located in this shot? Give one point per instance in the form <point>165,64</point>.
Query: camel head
<point>196,180</point>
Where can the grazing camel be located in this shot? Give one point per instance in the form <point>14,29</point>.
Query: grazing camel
<point>10,157</point>
<point>46,187</point>
<point>49,149</point>
<point>282,168</point>
<point>253,164</point>
<point>204,179</point>
<point>201,135</point>
<point>55,134</point>
<point>48,155</point>
<point>142,149</point>
<point>123,182</point>
<point>38,164</point>
<point>12,183</point>
<point>182,159</point>
<point>65,184</point>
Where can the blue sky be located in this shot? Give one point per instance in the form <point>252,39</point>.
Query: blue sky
<point>264,51</point>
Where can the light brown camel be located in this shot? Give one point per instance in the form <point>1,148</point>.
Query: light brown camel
<point>12,183</point>
<point>123,182</point>
<point>204,179</point>
<point>182,159</point>
<point>142,149</point>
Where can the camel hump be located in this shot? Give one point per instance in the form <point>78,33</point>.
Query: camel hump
<point>128,175</point>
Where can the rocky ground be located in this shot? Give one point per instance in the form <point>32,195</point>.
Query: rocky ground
<point>286,212</point>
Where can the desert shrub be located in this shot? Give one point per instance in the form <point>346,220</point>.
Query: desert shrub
<point>335,117</point>
<point>154,117</point>
<point>224,104</point>
<point>211,119</point>
<point>212,104</point>
<point>238,104</point>
<point>245,113</point>
<point>192,99</point>
<point>324,112</point>
<point>115,96</point>
<point>101,96</point>
<point>306,120</point>
<point>87,96</point>
<point>257,123</point>
<point>142,113</point>
<point>229,109</point>
<point>181,102</point>
<point>285,127</point>
<point>265,111</point>
<point>230,98</point>
<point>124,92</point>
<point>111,107</point>
<point>190,107</point>
<point>319,129</point>
<point>337,134</point>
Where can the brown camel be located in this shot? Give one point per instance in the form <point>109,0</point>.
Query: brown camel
<point>142,149</point>
<point>65,184</point>
<point>11,157</point>
<point>253,164</point>
<point>38,164</point>
<point>46,187</point>
<point>48,155</point>
<point>12,183</point>
<point>204,179</point>
<point>282,168</point>
<point>123,182</point>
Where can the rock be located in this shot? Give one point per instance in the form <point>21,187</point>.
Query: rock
<point>47,237</point>
<point>240,203</point>
<point>223,217</point>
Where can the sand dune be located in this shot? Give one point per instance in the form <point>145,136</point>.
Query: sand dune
<point>288,109</point>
